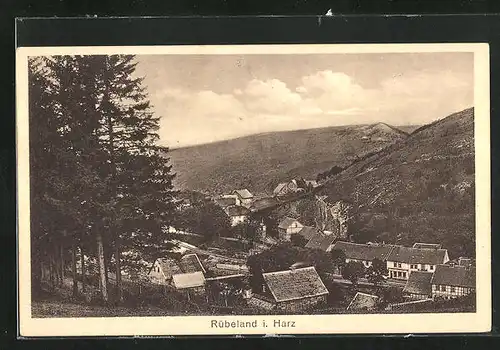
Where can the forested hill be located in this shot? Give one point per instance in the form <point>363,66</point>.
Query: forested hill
<point>420,189</point>
<point>260,162</point>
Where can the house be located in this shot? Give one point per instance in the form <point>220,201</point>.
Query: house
<point>419,285</point>
<point>321,242</point>
<point>244,197</point>
<point>285,188</point>
<point>290,187</point>
<point>237,214</point>
<point>453,281</point>
<point>295,290</point>
<point>364,253</point>
<point>363,302</point>
<point>287,227</point>
<point>403,260</point>
<point>162,271</point>
<point>226,201</point>
<point>467,262</point>
<point>427,245</point>
<point>192,283</point>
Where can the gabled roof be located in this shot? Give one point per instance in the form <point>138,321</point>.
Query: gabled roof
<point>418,256</point>
<point>287,222</point>
<point>263,203</point>
<point>237,210</point>
<point>244,193</point>
<point>294,284</point>
<point>309,232</point>
<point>322,242</point>
<point>189,280</point>
<point>427,245</point>
<point>169,267</point>
<point>191,263</point>
<point>458,276</point>
<point>225,201</point>
<point>362,301</point>
<point>419,282</point>
<point>280,187</point>
<point>366,252</point>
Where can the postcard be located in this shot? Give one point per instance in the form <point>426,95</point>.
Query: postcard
<point>253,189</point>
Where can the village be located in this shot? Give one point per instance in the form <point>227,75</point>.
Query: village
<point>369,277</point>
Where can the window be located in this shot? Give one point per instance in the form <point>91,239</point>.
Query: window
<point>413,266</point>
<point>453,289</point>
<point>399,265</point>
<point>431,267</point>
<point>443,288</point>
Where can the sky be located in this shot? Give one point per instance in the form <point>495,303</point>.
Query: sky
<point>207,98</point>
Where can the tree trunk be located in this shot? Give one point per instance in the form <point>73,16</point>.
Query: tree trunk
<point>82,261</point>
<point>102,268</point>
<point>73,267</point>
<point>106,263</point>
<point>119,292</point>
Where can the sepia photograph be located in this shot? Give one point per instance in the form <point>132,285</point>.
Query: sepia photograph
<point>258,189</point>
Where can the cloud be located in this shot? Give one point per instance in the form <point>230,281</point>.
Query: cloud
<point>270,96</point>
<point>320,99</point>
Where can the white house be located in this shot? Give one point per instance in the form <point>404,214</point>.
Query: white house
<point>287,227</point>
<point>403,260</point>
<point>244,197</point>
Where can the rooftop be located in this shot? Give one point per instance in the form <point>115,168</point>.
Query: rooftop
<point>295,284</point>
<point>189,280</point>
<point>458,276</point>
<point>322,242</point>
<point>287,222</point>
<point>225,201</point>
<point>418,255</point>
<point>362,301</point>
<point>419,282</point>
<point>279,187</point>
<point>309,232</point>
<point>364,251</point>
<point>244,193</point>
<point>427,245</point>
<point>191,263</point>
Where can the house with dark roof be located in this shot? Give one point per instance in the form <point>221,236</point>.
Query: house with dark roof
<point>287,227</point>
<point>453,281</point>
<point>295,290</point>
<point>321,242</point>
<point>290,187</point>
<point>363,302</point>
<point>237,214</point>
<point>403,260</point>
<point>244,197</point>
<point>419,285</point>
<point>364,253</point>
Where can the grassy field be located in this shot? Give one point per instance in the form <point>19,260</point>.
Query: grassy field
<point>260,162</point>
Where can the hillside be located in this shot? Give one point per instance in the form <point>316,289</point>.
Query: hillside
<point>420,189</point>
<point>260,162</point>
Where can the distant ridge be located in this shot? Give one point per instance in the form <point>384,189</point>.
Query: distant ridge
<point>259,162</point>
